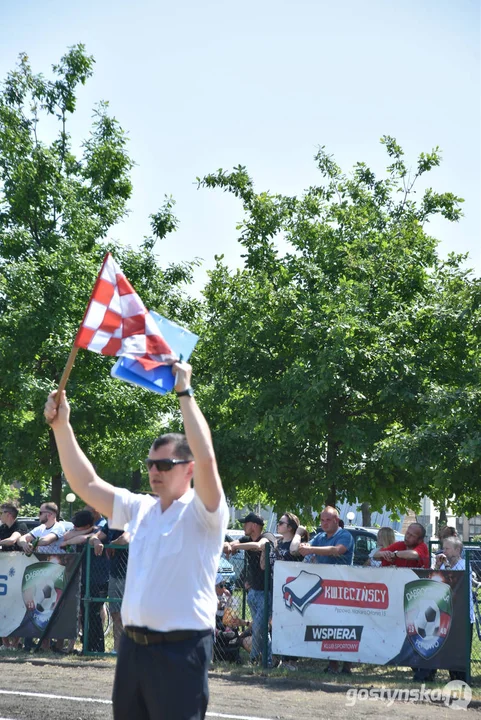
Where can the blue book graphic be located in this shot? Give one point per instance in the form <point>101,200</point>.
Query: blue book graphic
<point>160,379</point>
<point>301,591</point>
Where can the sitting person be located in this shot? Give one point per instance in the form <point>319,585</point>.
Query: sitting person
<point>225,639</point>
<point>228,639</point>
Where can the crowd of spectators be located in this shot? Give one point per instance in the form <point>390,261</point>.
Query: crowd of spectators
<point>107,567</point>
<point>332,544</point>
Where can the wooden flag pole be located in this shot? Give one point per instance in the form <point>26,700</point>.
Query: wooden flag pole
<point>66,373</point>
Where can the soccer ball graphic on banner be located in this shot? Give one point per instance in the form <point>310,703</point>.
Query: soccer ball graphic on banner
<point>428,621</point>
<point>45,598</point>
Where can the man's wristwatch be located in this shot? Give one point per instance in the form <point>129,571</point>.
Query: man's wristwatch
<point>185,393</point>
<point>395,553</point>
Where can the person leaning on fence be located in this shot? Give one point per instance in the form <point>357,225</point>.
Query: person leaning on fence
<point>85,531</point>
<point>176,538</point>
<point>333,546</point>
<point>287,549</point>
<point>385,537</point>
<point>410,552</point>
<point>118,572</point>
<point>450,558</point>
<point>254,542</point>
<point>46,537</point>
<point>10,531</point>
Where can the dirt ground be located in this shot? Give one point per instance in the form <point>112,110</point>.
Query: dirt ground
<point>86,688</point>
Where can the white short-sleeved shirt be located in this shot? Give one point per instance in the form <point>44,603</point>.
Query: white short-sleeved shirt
<point>173,560</point>
<point>54,547</point>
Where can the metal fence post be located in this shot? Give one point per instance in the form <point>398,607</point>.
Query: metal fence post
<point>244,591</point>
<point>267,574</point>
<point>89,551</point>
<point>469,628</point>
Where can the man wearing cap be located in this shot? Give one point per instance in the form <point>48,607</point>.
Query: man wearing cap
<point>254,543</point>
<point>176,537</point>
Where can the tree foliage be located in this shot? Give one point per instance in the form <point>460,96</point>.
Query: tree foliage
<point>337,360</point>
<point>56,207</point>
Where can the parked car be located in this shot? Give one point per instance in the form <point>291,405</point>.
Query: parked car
<point>226,569</point>
<point>30,522</point>
<point>238,560</point>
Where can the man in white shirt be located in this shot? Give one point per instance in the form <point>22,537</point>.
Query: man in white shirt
<point>176,538</point>
<point>46,537</point>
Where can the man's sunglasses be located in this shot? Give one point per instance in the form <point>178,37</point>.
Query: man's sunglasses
<point>165,464</point>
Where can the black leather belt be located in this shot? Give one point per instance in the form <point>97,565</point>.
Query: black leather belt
<point>144,636</point>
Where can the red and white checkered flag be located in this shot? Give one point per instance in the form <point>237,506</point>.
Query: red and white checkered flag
<point>117,322</point>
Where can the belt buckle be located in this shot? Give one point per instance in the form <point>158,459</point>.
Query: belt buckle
<point>145,639</point>
<point>140,638</point>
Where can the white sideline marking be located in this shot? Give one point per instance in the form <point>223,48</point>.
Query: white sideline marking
<point>54,697</point>
<point>109,702</point>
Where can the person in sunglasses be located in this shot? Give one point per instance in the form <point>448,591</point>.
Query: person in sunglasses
<point>176,537</point>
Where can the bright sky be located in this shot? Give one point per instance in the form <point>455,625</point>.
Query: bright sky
<point>204,85</point>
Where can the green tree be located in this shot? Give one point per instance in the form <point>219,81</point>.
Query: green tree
<point>56,208</point>
<point>326,354</point>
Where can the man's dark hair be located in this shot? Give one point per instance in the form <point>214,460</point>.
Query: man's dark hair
<point>83,518</point>
<point>179,443</point>
<point>8,507</point>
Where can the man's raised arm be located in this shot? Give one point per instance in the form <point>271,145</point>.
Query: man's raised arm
<point>207,482</point>
<point>77,468</point>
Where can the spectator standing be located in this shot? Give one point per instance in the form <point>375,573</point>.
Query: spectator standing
<point>410,552</point>
<point>176,537</point>
<point>10,530</point>
<point>118,572</point>
<point>46,537</point>
<point>450,558</point>
<point>333,546</point>
<point>287,549</point>
<point>293,534</point>
<point>74,540</point>
<point>385,537</point>
<point>254,542</point>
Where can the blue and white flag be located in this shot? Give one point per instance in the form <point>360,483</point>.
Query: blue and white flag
<point>160,379</point>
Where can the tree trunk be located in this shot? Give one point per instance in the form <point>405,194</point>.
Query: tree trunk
<point>366,514</point>
<point>56,488</point>
<point>136,479</point>
<point>331,496</point>
<point>56,494</point>
<point>331,466</point>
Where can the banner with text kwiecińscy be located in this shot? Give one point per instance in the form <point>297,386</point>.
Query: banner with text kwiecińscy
<point>382,616</point>
<point>31,588</point>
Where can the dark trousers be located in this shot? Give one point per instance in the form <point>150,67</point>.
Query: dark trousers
<point>165,681</point>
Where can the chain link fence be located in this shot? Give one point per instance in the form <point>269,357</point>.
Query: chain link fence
<point>102,591</point>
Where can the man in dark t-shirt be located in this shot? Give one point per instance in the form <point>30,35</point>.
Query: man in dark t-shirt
<point>254,543</point>
<point>10,529</point>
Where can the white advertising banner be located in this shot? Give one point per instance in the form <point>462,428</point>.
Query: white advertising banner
<point>31,588</point>
<point>368,615</point>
